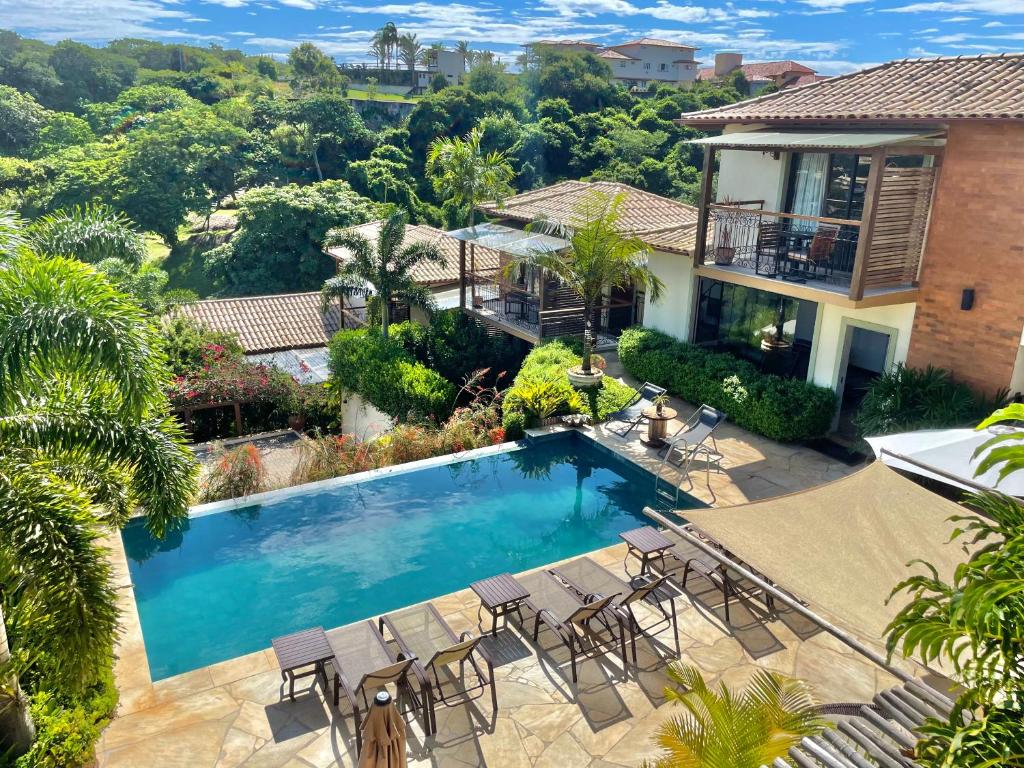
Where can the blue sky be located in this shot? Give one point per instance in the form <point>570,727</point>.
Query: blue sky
<point>831,35</point>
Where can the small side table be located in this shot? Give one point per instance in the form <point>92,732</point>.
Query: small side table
<point>657,425</point>
<point>308,648</point>
<point>500,595</point>
<point>646,544</point>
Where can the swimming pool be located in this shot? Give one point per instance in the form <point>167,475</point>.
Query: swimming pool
<point>331,553</point>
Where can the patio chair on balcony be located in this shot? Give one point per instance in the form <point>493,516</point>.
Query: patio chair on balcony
<point>590,581</point>
<point>632,414</point>
<point>422,634</point>
<point>587,629</point>
<point>770,246</point>
<point>818,255</point>
<point>363,664</point>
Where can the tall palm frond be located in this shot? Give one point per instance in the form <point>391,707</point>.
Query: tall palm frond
<point>384,269</point>
<point>89,233</point>
<point>85,439</point>
<point>409,49</point>
<point>12,235</point>
<point>728,729</point>
<point>465,51</point>
<point>600,256</point>
<point>462,172</point>
<point>1006,450</point>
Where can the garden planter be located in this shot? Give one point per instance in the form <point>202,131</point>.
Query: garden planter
<point>724,255</point>
<point>298,423</point>
<point>775,345</point>
<point>580,379</point>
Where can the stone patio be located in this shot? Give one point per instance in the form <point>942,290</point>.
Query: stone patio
<point>232,713</point>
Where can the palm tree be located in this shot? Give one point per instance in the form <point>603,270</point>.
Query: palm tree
<point>462,47</point>
<point>90,233</point>
<point>382,269</point>
<point>85,440</point>
<point>389,36</point>
<point>464,173</point>
<point>744,729</point>
<point>409,50</point>
<point>378,49</point>
<point>599,257</point>
<point>428,56</point>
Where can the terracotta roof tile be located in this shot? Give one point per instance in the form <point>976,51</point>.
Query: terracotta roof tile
<point>663,224</point>
<point>429,274</point>
<point>655,41</point>
<point>909,90</point>
<point>610,54</point>
<point>270,323</point>
<point>762,70</point>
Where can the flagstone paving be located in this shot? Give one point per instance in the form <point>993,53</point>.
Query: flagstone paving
<point>233,713</point>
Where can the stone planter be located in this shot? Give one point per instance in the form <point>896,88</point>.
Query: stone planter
<point>583,380</point>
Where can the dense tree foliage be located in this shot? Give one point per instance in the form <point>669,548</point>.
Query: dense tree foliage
<point>165,134</point>
<point>279,244</point>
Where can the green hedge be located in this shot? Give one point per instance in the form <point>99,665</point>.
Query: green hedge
<point>782,409</point>
<point>542,379</point>
<point>381,371</point>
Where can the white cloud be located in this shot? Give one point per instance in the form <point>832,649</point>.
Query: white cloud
<point>993,24</point>
<point>957,19</point>
<point>831,5</point>
<point>97,20</point>
<point>756,43</point>
<point>994,7</point>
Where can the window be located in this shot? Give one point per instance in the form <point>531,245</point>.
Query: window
<point>622,65</point>
<point>766,328</point>
<point>647,65</point>
<point>662,67</point>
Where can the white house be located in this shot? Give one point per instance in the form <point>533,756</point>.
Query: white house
<point>638,63</point>
<point>448,63</point>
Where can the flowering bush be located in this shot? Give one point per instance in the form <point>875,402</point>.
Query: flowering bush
<point>223,377</point>
<point>237,472</point>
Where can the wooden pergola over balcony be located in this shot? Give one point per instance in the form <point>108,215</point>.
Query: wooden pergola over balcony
<point>528,303</point>
<point>873,257</point>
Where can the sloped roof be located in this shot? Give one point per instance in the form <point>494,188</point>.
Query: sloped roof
<point>663,224</point>
<point>426,273</point>
<point>610,54</point>
<point>983,87</point>
<point>584,43</point>
<point>271,323</point>
<point>655,41</point>
<point>761,70</point>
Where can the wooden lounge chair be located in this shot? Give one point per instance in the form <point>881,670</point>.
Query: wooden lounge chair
<point>685,559</point>
<point>631,415</point>
<point>421,633</point>
<point>572,619</point>
<point>590,581</point>
<point>363,665</point>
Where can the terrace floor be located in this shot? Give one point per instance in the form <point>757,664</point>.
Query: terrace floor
<point>232,713</point>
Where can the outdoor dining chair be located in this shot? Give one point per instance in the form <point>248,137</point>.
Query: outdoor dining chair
<point>421,633</point>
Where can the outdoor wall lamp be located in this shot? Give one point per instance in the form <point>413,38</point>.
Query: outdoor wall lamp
<point>967,299</point>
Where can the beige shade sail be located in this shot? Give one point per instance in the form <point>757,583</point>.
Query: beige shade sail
<point>383,737</point>
<point>844,545</point>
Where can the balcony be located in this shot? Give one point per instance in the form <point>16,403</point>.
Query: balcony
<point>870,258</point>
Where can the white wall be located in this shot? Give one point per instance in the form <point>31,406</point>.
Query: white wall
<point>361,419</point>
<point>1017,377</point>
<point>655,57</point>
<point>828,345</point>
<point>673,314</point>
<point>751,175</point>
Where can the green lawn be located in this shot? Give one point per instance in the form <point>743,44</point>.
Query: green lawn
<point>361,95</point>
<point>184,262</point>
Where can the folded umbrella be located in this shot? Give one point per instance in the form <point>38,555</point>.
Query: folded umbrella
<point>383,735</point>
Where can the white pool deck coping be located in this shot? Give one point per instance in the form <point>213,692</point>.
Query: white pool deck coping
<point>231,713</point>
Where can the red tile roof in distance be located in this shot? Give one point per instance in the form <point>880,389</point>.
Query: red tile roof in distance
<point>987,87</point>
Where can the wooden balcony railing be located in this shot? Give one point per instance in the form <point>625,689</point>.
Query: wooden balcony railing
<point>880,251</point>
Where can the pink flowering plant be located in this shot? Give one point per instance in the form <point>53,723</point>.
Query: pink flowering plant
<point>222,377</point>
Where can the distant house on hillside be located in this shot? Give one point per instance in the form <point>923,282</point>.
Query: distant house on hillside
<point>451,64</point>
<point>638,64</point>
<point>782,74</point>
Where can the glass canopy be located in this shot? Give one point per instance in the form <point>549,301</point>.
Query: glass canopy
<point>516,242</point>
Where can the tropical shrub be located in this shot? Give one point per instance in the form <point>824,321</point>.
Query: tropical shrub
<point>739,729</point>
<point>514,424</point>
<point>905,399</point>
<point>779,408</point>
<point>236,472</point>
<point>381,371</point>
<point>541,389</point>
<point>186,343</point>
<point>68,727</point>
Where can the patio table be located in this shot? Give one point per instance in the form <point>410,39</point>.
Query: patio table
<point>657,425</point>
<point>308,648</point>
<point>646,544</point>
<point>500,595</point>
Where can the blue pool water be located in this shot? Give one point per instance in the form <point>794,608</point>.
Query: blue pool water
<point>327,556</point>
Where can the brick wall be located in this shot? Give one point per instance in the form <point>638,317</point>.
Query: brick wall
<point>975,240</point>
